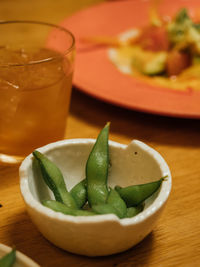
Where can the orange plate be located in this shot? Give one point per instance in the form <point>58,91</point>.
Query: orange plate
<point>98,77</point>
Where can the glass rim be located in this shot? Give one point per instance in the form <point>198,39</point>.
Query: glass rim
<point>68,50</point>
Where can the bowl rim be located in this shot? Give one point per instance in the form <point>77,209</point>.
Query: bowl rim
<point>22,258</point>
<point>160,200</point>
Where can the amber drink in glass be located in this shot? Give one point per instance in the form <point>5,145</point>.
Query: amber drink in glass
<point>36,68</point>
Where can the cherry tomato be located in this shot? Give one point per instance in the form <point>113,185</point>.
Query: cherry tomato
<point>154,39</point>
<point>177,61</point>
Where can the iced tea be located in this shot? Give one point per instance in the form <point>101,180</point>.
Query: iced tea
<point>34,99</point>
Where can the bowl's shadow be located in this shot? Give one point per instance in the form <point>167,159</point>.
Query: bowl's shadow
<point>136,256</point>
<point>39,249</point>
<point>135,125</point>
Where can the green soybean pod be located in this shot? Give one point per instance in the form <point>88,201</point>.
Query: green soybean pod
<point>133,211</point>
<point>79,193</point>
<point>54,180</point>
<point>60,207</point>
<point>104,209</point>
<point>9,259</point>
<point>97,169</point>
<point>135,194</point>
<point>115,200</point>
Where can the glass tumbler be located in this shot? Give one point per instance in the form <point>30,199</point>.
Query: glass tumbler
<point>36,68</point>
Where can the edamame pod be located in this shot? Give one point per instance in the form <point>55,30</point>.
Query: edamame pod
<point>54,179</point>
<point>115,200</point>
<point>97,169</point>
<point>9,259</point>
<point>133,211</point>
<point>135,194</point>
<point>79,193</point>
<point>104,209</point>
<point>60,207</point>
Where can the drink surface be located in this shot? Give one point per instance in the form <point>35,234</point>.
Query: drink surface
<point>34,99</point>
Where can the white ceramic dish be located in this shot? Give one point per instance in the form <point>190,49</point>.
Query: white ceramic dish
<point>102,234</point>
<point>21,259</point>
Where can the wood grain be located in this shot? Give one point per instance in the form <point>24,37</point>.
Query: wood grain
<point>175,240</point>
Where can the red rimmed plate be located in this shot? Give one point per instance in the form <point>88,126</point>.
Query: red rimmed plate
<point>98,77</point>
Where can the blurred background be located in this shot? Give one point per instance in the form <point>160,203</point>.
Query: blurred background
<point>45,10</point>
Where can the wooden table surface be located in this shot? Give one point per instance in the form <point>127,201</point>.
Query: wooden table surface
<point>175,241</point>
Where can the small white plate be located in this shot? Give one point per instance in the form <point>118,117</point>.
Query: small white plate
<point>21,259</point>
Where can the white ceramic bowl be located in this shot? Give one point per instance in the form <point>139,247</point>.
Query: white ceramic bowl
<point>102,234</point>
<point>21,259</point>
